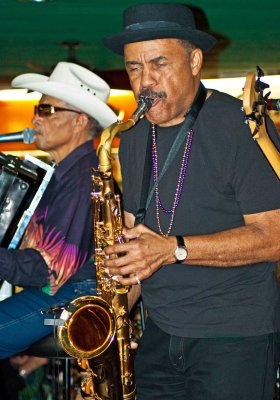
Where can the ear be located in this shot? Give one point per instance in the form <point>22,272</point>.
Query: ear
<point>80,122</point>
<point>196,58</point>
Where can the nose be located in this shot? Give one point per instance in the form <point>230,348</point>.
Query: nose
<point>36,121</point>
<point>148,78</point>
<point>35,118</point>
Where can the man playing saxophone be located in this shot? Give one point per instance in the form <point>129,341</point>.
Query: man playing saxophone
<point>205,256</point>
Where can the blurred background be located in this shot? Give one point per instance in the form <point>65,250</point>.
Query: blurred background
<point>36,35</point>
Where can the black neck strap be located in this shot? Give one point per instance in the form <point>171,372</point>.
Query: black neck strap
<point>188,123</point>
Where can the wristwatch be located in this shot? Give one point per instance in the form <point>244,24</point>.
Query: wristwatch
<point>181,252</point>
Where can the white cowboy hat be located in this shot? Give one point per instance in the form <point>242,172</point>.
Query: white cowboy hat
<point>75,85</point>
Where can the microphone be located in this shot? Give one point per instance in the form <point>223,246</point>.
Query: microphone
<point>26,136</point>
<point>273,104</point>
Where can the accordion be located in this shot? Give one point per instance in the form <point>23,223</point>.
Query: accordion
<point>22,184</point>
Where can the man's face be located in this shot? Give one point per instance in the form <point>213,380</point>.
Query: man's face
<point>164,67</point>
<point>54,133</point>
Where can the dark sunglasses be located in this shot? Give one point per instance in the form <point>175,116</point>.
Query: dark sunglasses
<point>45,110</point>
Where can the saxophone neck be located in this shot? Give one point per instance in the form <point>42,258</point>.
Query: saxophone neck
<point>107,136</point>
<point>106,140</point>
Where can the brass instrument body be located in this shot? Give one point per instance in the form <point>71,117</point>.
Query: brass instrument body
<point>96,329</point>
<point>108,230</point>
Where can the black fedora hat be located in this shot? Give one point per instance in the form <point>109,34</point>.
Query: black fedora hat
<point>151,21</point>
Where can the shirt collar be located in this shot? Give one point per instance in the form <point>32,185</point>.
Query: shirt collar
<point>66,164</point>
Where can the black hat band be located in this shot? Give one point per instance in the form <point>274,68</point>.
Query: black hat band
<point>151,24</point>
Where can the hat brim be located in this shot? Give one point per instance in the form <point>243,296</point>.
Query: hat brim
<point>116,42</point>
<point>74,96</point>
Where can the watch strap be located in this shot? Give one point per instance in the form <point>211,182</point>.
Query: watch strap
<point>180,241</point>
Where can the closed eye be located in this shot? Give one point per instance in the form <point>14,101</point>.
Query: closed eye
<point>133,66</point>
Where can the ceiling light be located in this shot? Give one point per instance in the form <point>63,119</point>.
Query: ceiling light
<point>33,1</point>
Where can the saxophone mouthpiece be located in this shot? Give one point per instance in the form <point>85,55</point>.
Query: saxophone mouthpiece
<point>145,102</point>
<point>146,96</point>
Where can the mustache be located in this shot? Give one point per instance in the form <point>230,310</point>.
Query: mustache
<point>152,95</point>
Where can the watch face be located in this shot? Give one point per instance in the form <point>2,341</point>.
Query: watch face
<point>181,253</point>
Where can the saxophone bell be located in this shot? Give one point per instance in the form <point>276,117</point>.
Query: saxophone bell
<point>89,327</point>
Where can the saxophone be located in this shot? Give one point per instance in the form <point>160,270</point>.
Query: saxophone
<point>96,329</point>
